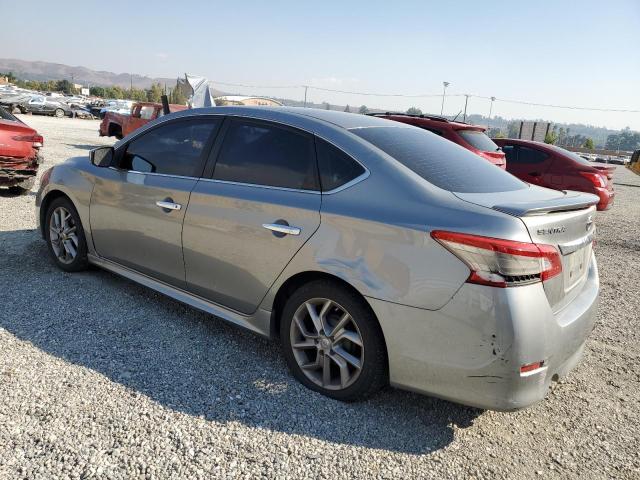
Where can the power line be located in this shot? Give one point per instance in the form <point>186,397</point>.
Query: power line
<point>432,95</point>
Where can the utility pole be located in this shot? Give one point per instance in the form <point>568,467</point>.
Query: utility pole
<point>491,106</point>
<point>466,100</point>
<point>305,95</point>
<point>444,92</point>
<point>131,82</point>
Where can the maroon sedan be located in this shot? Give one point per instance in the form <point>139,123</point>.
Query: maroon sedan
<point>19,153</point>
<point>554,167</point>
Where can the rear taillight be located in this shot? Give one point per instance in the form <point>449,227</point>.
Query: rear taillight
<point>598,179</point>
<point>502,263</point>
<point>36,139</point>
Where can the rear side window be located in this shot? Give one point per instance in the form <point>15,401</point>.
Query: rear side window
<point>439,161</point>
<point>336,167</point>
<point>266,154</point>
<point>172,149</point>
<point>530,155</point>
<point>479,140</point>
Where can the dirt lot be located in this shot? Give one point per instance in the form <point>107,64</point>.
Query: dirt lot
<point>101,378</point>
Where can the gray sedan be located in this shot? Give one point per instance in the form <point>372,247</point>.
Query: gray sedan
<point>376,252</point>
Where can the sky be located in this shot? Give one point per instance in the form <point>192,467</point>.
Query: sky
<point>581,54</point>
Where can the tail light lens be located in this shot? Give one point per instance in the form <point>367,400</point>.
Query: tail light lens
<point>598,179</point>
<point>36,139</point>
<point>502,263</point>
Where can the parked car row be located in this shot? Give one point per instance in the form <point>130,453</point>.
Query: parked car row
<point>375,252</point>
<point>533,162</point>
<point>19,153</point>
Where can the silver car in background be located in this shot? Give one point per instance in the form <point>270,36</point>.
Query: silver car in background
<point>377,252</point>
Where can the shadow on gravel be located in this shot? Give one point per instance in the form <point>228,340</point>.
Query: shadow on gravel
<point>193,363</point>
<point>10,193</point>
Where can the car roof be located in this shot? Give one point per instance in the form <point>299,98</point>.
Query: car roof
<point>294,115</point>
<point>428,120</point>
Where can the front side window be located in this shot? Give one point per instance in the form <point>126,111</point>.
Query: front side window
<point>172,149</point>
<point>336,167</point>
<point>440,162</point>
<point>265,154</point>
<point>530,155</point>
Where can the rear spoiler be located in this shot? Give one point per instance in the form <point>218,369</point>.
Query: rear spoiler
<point>577,201</point>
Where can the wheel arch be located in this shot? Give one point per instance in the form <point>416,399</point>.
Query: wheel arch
<point>46,201</point>
<point>298,280</point>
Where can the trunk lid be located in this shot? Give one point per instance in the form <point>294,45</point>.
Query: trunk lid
<point>564,219</point>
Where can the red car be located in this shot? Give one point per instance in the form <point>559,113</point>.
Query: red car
<point>468,136</point>
<point>554,167</point>
<point>19,153</point>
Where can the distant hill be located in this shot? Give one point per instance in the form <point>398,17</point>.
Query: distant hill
<point>41,71</point>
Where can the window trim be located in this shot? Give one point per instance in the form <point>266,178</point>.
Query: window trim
<point>214,154</point>
<point>122,149</point>
<point>215,143</point>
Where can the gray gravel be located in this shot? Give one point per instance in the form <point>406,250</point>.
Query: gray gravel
<point>101,378</point>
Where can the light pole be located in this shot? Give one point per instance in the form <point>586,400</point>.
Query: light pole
<point>491,106</point>
<point>444,92</point>
<point>466,100</point>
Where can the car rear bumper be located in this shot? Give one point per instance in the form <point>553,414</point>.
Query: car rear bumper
<point>471,350</point>
<point>14,171</point>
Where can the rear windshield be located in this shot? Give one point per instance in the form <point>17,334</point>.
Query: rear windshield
<point>574,156</point>
<point>479,140</point>
<point>439,161</point>
<point>4,115</point>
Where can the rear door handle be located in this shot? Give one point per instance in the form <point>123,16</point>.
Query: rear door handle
<point>168,205</point>
<point>282,229</point>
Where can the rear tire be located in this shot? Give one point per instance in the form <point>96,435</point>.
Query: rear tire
<point>59,113</point>
<point>339,351</point>
<point>65,236</point>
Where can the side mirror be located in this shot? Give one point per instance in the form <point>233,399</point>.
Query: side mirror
<point>102,156</point>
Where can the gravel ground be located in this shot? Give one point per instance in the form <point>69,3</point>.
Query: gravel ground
<point>101,378</point>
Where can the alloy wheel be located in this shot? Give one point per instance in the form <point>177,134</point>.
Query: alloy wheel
<point>327,344</point>
<point>63,236</point>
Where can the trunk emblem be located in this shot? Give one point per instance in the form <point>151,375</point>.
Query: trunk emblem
<point>552,230</point>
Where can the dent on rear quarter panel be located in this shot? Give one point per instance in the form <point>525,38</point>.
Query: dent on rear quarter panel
<point>390,263</point>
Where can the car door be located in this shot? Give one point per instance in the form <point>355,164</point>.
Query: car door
<point>36,104</point>
<point>528,164</point>
<point>138,205</point>
<point>245,222</point>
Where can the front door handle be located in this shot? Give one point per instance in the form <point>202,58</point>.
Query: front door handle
<point>283,230</point>
<point>168,204</point>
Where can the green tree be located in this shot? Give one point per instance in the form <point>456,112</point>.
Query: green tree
<point>64,86</point>
<point>363,110</point>
<point>414,111</point>
<point>347,109</point>
<point>588,143</point>
<point>97,91</point>
<point>155,92</point>
<point>551,138</point>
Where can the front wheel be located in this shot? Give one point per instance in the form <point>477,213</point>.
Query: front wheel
<point>332,341</point>
<point>65,236</point>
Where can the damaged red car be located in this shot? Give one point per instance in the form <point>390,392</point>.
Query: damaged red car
<point>19,153</point>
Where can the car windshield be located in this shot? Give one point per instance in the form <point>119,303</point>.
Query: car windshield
<point>574,156</point>
<point>479,140</point>
<point>439,161</point>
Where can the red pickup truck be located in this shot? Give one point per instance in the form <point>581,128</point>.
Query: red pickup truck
<point>119,125</point>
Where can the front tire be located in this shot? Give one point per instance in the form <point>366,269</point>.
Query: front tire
<point>332,341</point>
<point>65,236</point>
